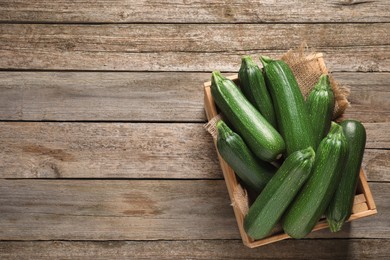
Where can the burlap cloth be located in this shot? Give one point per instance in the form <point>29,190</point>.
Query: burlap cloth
<point>307,69</point>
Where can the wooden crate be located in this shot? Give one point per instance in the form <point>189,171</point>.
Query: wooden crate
<point>364,204</point>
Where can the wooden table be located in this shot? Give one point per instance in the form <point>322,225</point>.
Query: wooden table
<point>102,150</point>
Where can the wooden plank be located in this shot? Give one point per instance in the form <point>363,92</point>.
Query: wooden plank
<point>143,96</point>
<point>186,47</point>
<point>83,150</point>
<point>102,96</point>
<point>361,59</point>
<point>140,210</point>
<point>377,135</point>
<point>197,249</point>
<point>370,96</point>
<point>189,37</point>
<point>132,150</point>
<point>174,11</point>
<point>109,150</point>
<point>115,210</point>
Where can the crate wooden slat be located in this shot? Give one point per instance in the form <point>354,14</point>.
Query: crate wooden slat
<point>364,204</point>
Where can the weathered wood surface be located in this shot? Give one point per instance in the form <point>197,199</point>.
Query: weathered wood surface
<point>377,135</point>
<point>161,48</point>
<point>141,210</point>
<point>376,164</point>
<point>370,96</point>
<point>88,150</point>
<point>197,249</point>
<point>362,59</point>
<point>173,11</point>
<point>101,96</point>
<point>144,96</point>
<point>133,150</point>
<point>189,37</point>
<point>186,47</point>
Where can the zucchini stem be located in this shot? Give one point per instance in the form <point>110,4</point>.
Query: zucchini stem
<point>216,76</point>
<point>223,130</point>
<point>248,62</point>
<point>265,60</point>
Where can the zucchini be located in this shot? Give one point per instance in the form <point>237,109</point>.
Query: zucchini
<point>264,141</point>
<point>317,192</point>
<point>253,86</point>
<point>254,173</point>
<point>290,109</point>
<point>340,207</point>
<point>269,206</point>
<point>320,104</point>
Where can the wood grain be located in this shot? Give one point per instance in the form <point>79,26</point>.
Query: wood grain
<point>117,150</point>
<point>159,46</point>
<point>361,59</point>
<point>143,96</point>
<point>98,96</point>
<point>370,96</point>
<point>197,249</point>
<point>189,37</point>
<point>115,210</point>
<point>174,11</point>
<point>133,150</point>
<point>377,135</point>
<point>140,210</point>
<point>186,47</point>
<point>376,164</point>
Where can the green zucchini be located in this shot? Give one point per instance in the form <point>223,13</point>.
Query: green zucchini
<point>340,207</point>
<point>269,206</point>
<point>264,141</point>
<point>253,172</point>
<point>317,192</point>
<point>320,104</point>
<point>290,109</point>
<point>253,86</point>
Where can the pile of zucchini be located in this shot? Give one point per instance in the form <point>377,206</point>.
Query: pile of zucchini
<point>268,123</point>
